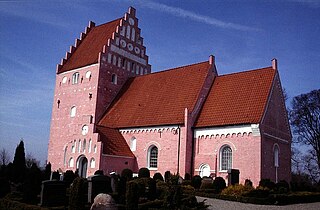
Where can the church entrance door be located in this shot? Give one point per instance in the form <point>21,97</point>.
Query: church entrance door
<point>82,166</point>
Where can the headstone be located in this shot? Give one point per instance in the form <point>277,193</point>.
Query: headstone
<point>53,193</point>
<point>98,184</point>
<point>233,176</point>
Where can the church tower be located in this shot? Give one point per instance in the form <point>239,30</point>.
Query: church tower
<point>87,80</point>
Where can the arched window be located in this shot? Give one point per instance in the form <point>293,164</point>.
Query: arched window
<point>128,32</point>
<point>133,34</point>
<point>133,144</point>
<point>92,163</point>
<point>84,145</point>
<point>225,158</point>
<point>65,156</point>
<point>90,144</point>
<point>153,157</point>
<point>79,146</point>
<point>95,149</point>
<point>276,156</point>
<point>204,170</point>
<point>71,162</point>
<point>114,79</point>
<point>75,78</point>
<point>73,111</point>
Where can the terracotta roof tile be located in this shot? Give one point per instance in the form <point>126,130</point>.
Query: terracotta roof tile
<point>157,99</point>
<point>87,52</point>
<point>114,143</point>
<point>237,98</point>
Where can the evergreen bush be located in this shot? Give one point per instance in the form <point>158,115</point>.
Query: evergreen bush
<point>144,173</point>
<point>127,174</point>
<point>219,184</point>
<point>237,190</point>
<point>248,182</point>
<point>196,181</point>
<point>167,176</point>
<point>282,186</point>
<point>158,176</point>
<point>32,185</point>
<point>187,176</point>
<point>68,177</point>
<point>267,183</point>
<point>77,199</point>
<point>132,197</point>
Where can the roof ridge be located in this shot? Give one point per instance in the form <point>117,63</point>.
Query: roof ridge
<point>246,71</point>
<point>172,69</point>
<point>109,22</point>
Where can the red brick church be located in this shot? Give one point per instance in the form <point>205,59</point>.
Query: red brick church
<point>110,112</point>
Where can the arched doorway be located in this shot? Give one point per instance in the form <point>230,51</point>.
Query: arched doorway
<point>82,166</point>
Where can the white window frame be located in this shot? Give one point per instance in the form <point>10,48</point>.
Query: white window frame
<point>149,158</point>
<point>75,78</point>
<point>221,159</point>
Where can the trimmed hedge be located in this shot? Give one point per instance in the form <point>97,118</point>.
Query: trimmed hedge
<point>15,205</point>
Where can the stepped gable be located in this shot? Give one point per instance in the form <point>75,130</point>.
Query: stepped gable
<point>114,143</point>
<point>158,98</point>
<point>87,48</point>
<point>237,98</point>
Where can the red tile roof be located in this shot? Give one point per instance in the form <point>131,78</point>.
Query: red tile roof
<point>237,98</point>
<point>157,99</point>
<point>87,52</point>
<point>113,142</point>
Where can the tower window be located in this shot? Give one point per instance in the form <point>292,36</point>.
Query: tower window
<point>114,79</point>
<point>75,78</point>
<point>276,156</point>
<point>58,102</point>
<point>133,144</point>
<point>73,111</point>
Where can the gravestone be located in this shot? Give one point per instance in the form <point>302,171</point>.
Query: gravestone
<point>98,184</point>
<point>233,176</point>
<point>53,193</point>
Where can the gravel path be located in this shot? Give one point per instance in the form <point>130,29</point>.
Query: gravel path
<point>216,204</point>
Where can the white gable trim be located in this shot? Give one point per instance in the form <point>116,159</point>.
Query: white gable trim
<point>225,130</point>
<point>79,69</point>
<point>149,129</point>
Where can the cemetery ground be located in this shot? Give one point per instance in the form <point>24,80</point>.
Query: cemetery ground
<point>45,190</point>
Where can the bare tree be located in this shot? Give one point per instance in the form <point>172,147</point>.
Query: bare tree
<point>305,121</point>
<point>30,160</point>
<point>4,157</point>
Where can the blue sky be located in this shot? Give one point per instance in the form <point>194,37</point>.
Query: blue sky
<point>243,35</point>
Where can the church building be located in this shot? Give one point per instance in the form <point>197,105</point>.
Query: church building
<point>110,112</point>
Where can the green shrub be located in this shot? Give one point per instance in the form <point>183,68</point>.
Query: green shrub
<point>4,186</point>
<point>146,188</point>
<point>267,183</point>
<point>144,173</point>
<point>187,189</point>
<point>77,194</point>
<point>187,176</point>
<point>219,184</point>
<point>158,176</point>
<point>259,192</point>
<point>206,185</point>
<point>167,176</point>
<point>161,189</point>
<point>68,177</point>
<point>248,182</point>
<point>282,187</point>
<point>132,197</point>
<point>196,181</point>
<point>237,190</point>
<point>127,174</point>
